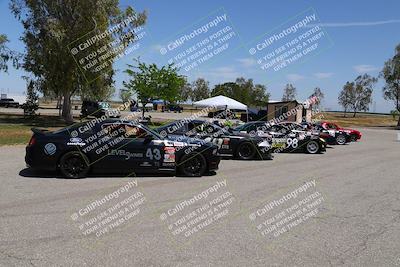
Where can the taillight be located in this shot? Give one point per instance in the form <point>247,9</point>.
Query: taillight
<point>32,141</point>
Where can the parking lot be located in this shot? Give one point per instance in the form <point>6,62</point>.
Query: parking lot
<point>357,225</point>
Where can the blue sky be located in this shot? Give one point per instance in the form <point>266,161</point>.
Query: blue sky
<point>362,35</point>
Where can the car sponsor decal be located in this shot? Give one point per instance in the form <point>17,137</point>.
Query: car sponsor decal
<point>121,152</point>
<point>76,141</point>
<point>169,155</point>
<point>50,149</point>
<point>146,164</point>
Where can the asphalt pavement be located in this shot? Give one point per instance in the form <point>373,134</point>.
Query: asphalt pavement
<point>337,208</point>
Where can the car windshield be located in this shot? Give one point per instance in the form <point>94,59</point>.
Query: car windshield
<point>241,127</point>
<point>154,133</point>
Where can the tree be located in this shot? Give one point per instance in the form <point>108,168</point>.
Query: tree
<point>7,54</point>
<point>150,82</point>
<point>259,95</point>
<point>318,97</point>
<point>125,95</point>
<point>289,93</point>
<point>227,89</point>
<point>49,29</point>
<point>391,74</point>
<point>244,91</point>
<point>344,98</point>
<point>170,84</point>
<point>31,104</point>
<point>361,96</point>
<point>200,89</point>
<point>185,92</point>
<point>357,95</point>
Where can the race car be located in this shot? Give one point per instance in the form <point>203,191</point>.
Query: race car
<point>331,136</point>
<point>117,146</point>
<point>236,145</point>
<point>285,139</point>
<point>354,134</point>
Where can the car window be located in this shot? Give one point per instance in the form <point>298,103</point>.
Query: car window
<point>132,131</point>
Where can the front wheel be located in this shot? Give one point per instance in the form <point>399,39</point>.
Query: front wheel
<point>192,165</point>
<point>74,165</point>
<point>312,147</point>
<point>246,151</point>
<point>341,139</point>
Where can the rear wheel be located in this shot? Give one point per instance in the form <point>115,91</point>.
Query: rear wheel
<point>246,150</point>
<point>312,147</point>
<point>74,165</point>
<point>341,139</point>
<point>192,165</point>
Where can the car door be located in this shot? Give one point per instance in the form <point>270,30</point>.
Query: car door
<point>144,151</point>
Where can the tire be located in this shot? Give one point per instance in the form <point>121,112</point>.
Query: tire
<point>246,150</point>
<point>192,165</point>
<point>313,147</point>
<point>340,139</point>
<point>74,165</point>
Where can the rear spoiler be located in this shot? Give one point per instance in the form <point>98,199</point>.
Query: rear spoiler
<point>39,131</point>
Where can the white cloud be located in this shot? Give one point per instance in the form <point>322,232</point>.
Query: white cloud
<point>365,68</point>
<point>323,75</point>
<point>294,77</point>
<point>220,75</point>
<point>156,47</point>
<point>246,62</point>
<point>351,24</point>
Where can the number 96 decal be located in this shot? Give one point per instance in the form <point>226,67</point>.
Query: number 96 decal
<point>292,142</point>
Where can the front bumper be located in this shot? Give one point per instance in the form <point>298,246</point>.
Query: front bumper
<point>213,162</point>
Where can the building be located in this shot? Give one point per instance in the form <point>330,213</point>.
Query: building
<point>289,111</point>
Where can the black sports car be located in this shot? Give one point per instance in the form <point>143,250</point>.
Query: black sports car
<point>285,138</point>
<point>237,145</point>
<point>117,146</point>
<point>331,136</point>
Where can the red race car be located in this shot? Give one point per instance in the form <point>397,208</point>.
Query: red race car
<point>354,134</point>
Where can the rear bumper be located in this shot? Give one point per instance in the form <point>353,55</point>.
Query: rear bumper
<point>36,160</point>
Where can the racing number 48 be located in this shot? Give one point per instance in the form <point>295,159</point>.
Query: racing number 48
<point>153,153</point>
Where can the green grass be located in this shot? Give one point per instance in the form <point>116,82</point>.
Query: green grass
<point>15,129</point>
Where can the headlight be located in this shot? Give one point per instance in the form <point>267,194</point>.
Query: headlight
<point>322,140</point>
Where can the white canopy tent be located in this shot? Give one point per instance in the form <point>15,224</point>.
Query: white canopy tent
<point>221,102</point>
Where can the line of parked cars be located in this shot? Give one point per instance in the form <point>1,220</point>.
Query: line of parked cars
<point>183,147</point>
